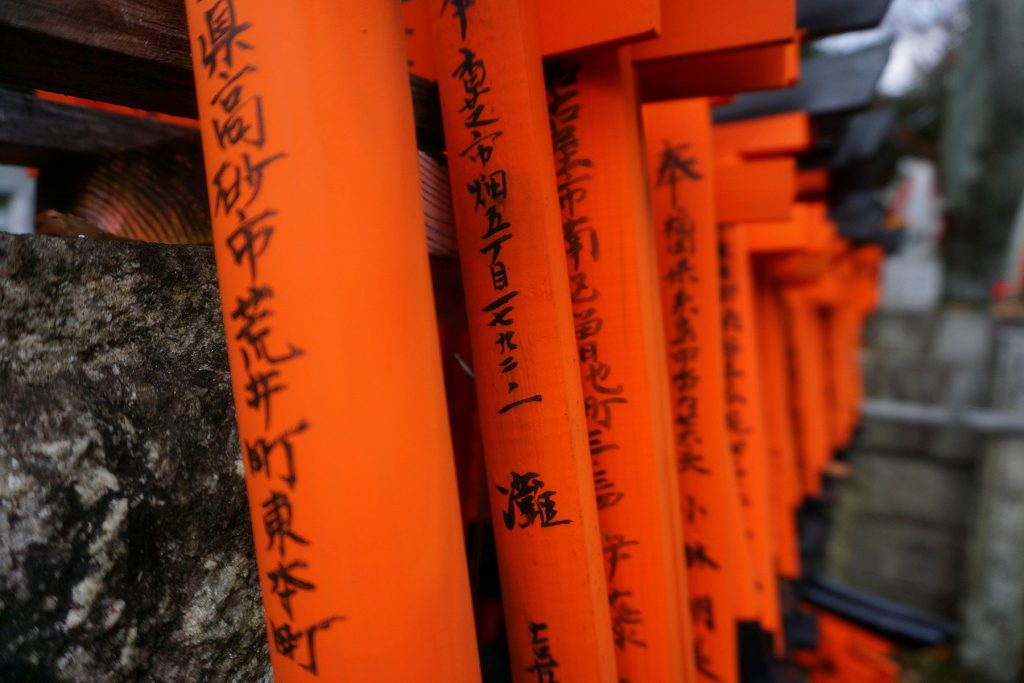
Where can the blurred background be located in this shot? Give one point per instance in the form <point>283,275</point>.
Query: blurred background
<point>926,508</point>
<point>931,512</point>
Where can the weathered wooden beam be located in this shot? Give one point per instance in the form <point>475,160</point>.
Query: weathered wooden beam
<point>829,83</point>
<point>153,30</point>
<point>824,17</point>
<point>33,130</point>
<point>130,52</point>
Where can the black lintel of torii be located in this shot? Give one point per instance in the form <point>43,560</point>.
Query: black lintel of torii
<point>860,217</point>
<point>892,620</point>
<point>844,139</point>
<point>826,17</point>
<point>829,83</point>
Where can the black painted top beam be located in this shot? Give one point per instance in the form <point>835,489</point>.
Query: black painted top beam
<point>33,131</point>
<point>826,17</point>
<point>829,83</point>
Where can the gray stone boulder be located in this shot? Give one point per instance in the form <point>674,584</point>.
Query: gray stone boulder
<point>125,547</point>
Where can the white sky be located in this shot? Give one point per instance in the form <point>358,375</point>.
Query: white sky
<point>922,31</point>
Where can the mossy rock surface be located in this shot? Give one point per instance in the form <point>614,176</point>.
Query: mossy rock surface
<point>125,545</point>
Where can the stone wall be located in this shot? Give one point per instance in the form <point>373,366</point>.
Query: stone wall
<point>125,543</point>
<point>903,520</point>
<point>993,643</point>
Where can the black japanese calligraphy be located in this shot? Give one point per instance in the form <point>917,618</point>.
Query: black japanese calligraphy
<point>243,164</point>
<point>529,501</point>
<point>544,664</point>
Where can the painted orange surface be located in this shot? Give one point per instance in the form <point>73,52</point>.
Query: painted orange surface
<point>745,418</point>
<point>787,489</point>
<point>867,262</point>
<point>663,407</point>
<point>841,338</point>
<point>808,279</point>
<point>765,237</point>
<point>755,190</point>
<point>345,439</point>
<point>793,65</point>
<point>830,294</point>
<point>805,334</point>
<point>812,182</point>
<point>565,25</point>
<point>523,335</point>
<point>763,136</point>
<point>718,73</point>
<point>593,113</point>
<point>795,252</point>
<point>679,162</point>
<point>849,653</point>
<point>691,26</point>
<point>418,18</point>
<point>813,259</point>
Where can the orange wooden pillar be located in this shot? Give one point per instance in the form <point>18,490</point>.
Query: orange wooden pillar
<point>561,31</point>
<point>796,272</point>
<point>745,418</point>
<point>806,343</point>
<point>524,342</point>
<point>344,433</point>
<point>719,47</point>
<point>838,297</point>
<point>768,241</point>
<point>867,262</point>
<point>679,161</point>
<point>593,114</point>
<point>756,182</point>
<point>775,388</point>
<point>847,652</point>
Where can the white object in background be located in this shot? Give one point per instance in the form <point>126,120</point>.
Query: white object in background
<point>911,282</point>
<point>920,206</point>
<point>17,200</point>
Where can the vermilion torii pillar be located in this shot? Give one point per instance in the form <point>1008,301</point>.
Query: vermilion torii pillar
<point>308,139</point>
<point>524,339</point>
<point>680,167</point>
<point>593,111</point>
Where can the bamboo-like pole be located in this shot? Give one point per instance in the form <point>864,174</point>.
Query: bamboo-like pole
<point>310,154</point>
<point>680,162</point>
<point>523,336</point>
<point>593,110</point>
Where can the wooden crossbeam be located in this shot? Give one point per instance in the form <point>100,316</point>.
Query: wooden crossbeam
<point>34,131</point>
<point>131,52</point>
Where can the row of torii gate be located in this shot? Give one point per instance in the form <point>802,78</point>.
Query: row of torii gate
<point>663,312</point>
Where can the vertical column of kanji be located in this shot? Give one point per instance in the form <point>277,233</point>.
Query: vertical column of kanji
<point>657,366</point>
<point>680,161</point>
<point>318,236</point>
<point>745,416</point>
<point>524,347</point>
<point>786,489</point>
<point>589,107</point>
